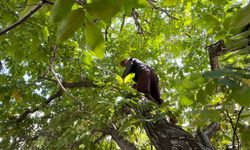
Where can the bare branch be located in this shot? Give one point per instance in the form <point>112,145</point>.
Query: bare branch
<point>25,17</point>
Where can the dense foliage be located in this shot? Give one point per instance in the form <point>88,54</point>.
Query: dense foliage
<point>60,74</point>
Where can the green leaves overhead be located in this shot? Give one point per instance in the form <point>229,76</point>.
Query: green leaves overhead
<point>177,35</point>
<point>241,18</point>
<point>71,23</point>
<point>94,38</point>
<point>60,9</point>
<point>104,9</point>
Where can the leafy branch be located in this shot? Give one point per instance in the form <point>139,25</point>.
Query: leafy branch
<point>60,91</point>
<point>22,20</point>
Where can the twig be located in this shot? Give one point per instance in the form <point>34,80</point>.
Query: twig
<point>25,17</point>
<point>123,21</point>
<point>106,33</point>
<point>234,130</point>
<point>81,2</point>
<point>30,111</point>
<point>58,80</point>
<point>135,16</point>
<point>236,125</point>
<point>162,10</point>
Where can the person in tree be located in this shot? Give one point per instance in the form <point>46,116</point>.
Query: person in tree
<point>146,80</point>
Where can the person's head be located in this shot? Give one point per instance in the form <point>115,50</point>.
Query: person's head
<point>124,62</point>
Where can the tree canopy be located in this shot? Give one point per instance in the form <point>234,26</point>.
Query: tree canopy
<point>61,85</point>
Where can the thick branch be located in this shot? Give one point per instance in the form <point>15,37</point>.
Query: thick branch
<point>119,139</point>
<point>204,136</point>
<point>25,17</point>
<point>216,50</point>
<point>212,129</point>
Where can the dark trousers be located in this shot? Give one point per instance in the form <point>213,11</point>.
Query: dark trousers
<point>148,83</point>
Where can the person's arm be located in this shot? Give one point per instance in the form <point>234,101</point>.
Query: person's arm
<point>127,70</point>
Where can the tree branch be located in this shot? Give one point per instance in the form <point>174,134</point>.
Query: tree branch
<point>123,21</point>
<point>58,80</point>
<point>118,138</point>
<point>212,129</point>
<point>83,83</point>
<point>162,10</point>
<point>236,125</point>
<point>234,129</point>
<point>30,111</point>
<point>25,17</point>
<point>135,16</point>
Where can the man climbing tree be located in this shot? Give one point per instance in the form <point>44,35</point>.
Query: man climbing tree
<point>146,80</point>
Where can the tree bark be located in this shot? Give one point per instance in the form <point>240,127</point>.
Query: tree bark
<point>165,136</point>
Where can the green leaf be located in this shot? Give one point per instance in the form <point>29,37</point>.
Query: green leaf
<point>241,18</point>
<point>243,51</point>
<point>104,9</point>
<point>211,20</point>
<point>212,115</point>
<point>242,35</point>
<point>60,9</point>
<point>227,82</point>
<point>169,2</point>
<point>70,24</point>
<point>29,6</point>
<point>219,2</point>
<point>186,101</point>
<point>242,96</point>
<point>119,79</point>
<point>188,84</point>
<point>245,134</point>
<point>210,87</point>
<point>95,39</point>
<point>202,97</point>
<point>140,3</point>
<point>237,44</point>
<point>214,74</point>
<point>129,77</point>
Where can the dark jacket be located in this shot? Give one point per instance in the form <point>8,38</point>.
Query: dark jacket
<point>134,66</point>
